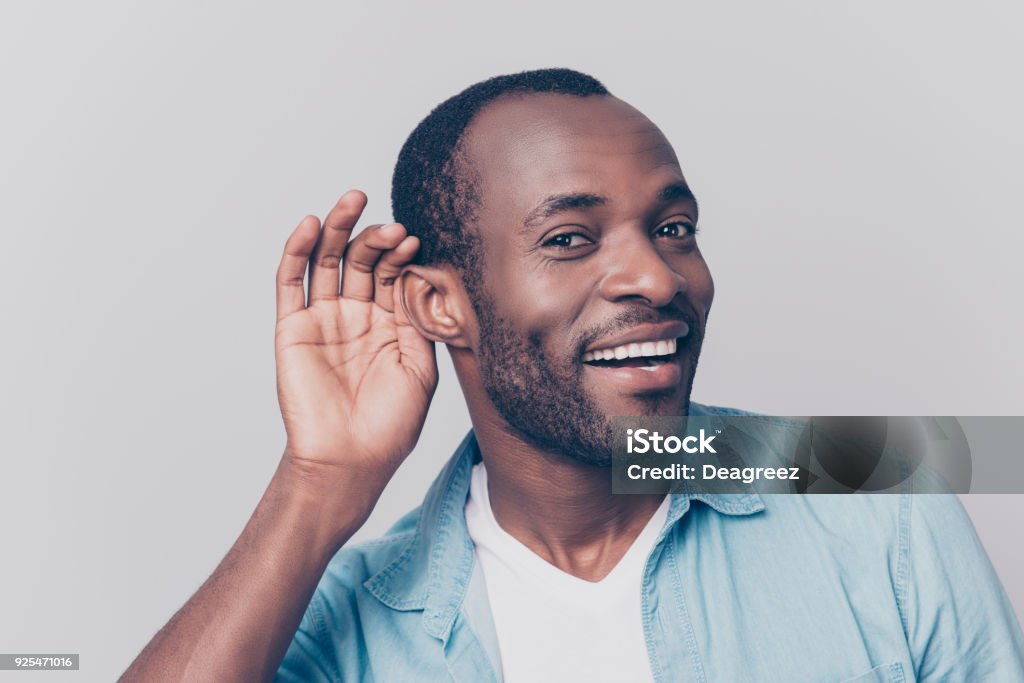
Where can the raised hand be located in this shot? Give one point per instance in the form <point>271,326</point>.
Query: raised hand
<point>354,378</point>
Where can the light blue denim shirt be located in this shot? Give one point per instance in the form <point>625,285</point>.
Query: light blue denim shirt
<point>739,587</point>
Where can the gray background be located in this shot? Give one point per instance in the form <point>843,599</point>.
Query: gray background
<point>858,167</point>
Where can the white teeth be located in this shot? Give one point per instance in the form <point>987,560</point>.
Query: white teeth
<point>648,349</point>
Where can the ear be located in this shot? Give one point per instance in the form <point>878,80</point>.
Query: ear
<point>436,303</point>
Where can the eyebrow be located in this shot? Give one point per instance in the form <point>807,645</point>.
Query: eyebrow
<point>676,192</point>
<point>558,203</point>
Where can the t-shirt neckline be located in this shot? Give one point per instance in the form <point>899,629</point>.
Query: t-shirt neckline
<point>508,548</point>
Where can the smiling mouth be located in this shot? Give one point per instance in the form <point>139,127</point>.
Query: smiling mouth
<point>645,355</point>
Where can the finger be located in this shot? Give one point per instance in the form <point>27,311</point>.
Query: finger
<point>324,265</point>
<point>388,269</point>
<point>361,257</point>
<point>291,296</point>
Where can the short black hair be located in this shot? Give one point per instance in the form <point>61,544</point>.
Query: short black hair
<point>433,193</point>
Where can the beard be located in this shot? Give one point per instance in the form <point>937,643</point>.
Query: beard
<point>543,399</point>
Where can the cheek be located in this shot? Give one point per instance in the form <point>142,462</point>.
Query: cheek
<point>549,323</point>
<point>545,311</point>
<point>708,294</point>
<point>701,286</point>
<point>536,308</point>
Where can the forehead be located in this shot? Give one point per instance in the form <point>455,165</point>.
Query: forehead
<point>524,148</point>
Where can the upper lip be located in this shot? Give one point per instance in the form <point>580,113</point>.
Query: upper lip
<point>641,333</point>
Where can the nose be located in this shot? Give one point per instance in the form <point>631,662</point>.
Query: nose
<point>638,271</point>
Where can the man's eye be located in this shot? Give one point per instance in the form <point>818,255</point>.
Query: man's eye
<point>676,229</point>
<point>567,240</point>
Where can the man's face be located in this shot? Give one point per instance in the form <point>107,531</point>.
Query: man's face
<point>595,294</point>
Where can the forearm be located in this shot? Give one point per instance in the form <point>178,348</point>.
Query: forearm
<point>239,624</point>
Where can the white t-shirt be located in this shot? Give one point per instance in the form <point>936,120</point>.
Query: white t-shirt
<point>553,626</point>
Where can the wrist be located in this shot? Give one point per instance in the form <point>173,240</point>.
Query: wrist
<point>333,501</point>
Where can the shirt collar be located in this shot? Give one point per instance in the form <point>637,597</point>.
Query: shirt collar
<point>433,570</point>
<point>746,501</point>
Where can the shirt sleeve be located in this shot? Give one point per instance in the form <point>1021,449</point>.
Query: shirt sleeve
<point>960,623</point>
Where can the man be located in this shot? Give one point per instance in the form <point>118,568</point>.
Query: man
<point>547,237</point>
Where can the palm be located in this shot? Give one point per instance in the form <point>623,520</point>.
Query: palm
<point>354,377</point>
<point>341,370</point>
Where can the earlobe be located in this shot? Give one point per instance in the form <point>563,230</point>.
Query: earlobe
<point>434,302</point>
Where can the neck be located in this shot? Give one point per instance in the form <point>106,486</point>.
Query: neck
<point>561,509</point>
